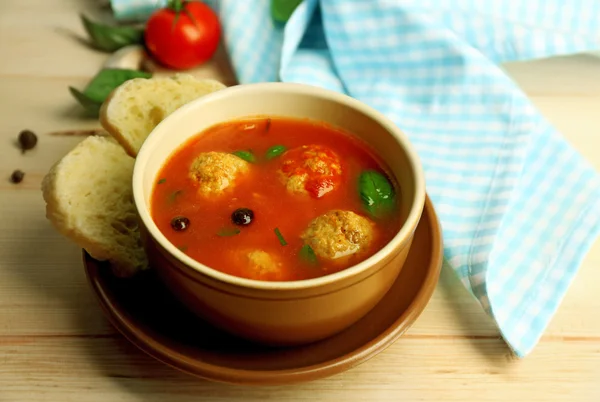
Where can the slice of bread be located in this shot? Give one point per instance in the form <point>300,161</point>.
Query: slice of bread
<point>89,200</point>
<point>133,109</point>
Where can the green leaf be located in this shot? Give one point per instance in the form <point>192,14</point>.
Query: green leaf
<point>183,248</point>
<point>376,193</point>
<point>90,105</point>
<point>161,181</point>
<point>108,79</point>
<point>173,196</point>
<point>281,10</point>
<point>307,254</point>
<point>228,232</point>
<point>102,85</point>
<point>275,151</point>
<point>111,38</point>
<point>245,155</point>
<point>280,237</point>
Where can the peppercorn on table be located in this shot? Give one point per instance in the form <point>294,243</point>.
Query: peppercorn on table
<point>56,345</point>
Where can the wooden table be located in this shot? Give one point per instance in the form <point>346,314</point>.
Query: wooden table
<point>55,344</point>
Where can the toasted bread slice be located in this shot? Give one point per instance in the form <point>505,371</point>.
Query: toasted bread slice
<point>89,200</point>
<point>133,109</point>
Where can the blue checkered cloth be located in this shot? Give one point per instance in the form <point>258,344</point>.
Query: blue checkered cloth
<point>519,206</point>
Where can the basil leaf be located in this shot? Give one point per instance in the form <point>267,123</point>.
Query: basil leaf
<point>108,79</point>
<point>173,196</point>
<point>245,155</point>
<point>308,255</point>
<point>102,85</point>
<point>92,106</point>
<point>161,181</point>
<point>280,237</point>
<point>281,10</point>
<point>376,193</point>
<point>275,151</point>
<point>111,38</point>
<point>228,232</point>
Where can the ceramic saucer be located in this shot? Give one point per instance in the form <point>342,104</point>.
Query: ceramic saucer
<point>149,316</point>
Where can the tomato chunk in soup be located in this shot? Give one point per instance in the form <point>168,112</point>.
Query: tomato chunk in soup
<point>273,199</point>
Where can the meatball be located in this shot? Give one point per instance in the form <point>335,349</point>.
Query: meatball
<point>338,234</point>
<point>216,171</point>
<point>261,265</point>
<point>310,169</point>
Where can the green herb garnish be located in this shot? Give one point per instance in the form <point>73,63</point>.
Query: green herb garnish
<point>376,193</point>
<point>108,79</point>
<point>280,237</point>
<point>110,38</point>
<point>183,248</point>
<point>173,196</point>
<point>308,255</point>
<point>275,151</point>
<point>245,155</point>
<point>102,85</point>
<point>228,232</point>
<point>90,105</point>
<point>161,181</point>
<point>282,10</point>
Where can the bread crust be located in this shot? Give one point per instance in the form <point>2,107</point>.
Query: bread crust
<point>151,105</point>
<point>111,128</point>
<point>100,215</point>
<point>101,218</point>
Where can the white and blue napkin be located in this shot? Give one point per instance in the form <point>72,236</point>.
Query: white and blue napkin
<point>519,206</point>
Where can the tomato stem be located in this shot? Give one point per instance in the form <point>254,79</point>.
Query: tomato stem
<point>176,5</point>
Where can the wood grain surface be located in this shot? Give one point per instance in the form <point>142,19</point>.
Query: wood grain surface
<point>55,344</point>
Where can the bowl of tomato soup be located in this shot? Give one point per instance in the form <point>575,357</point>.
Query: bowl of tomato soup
<point>279,212</point>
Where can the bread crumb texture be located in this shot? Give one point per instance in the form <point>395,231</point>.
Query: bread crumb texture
<point>259,264</point>
<point>215,172</point>
<point>136,107</point>
<point>89,199</point>
<point>337,234</point>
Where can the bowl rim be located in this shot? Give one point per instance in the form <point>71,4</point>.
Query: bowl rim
<point>150,144</point>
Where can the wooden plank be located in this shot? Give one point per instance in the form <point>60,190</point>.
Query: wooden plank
<point>574,75</point>
<point>102,369</point>
<point>55,344</point>
<point>43,38</point>
<point>577,119</point>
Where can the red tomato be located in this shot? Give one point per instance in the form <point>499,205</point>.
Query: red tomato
<point>183,35</point>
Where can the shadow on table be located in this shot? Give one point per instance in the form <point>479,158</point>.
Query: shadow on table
<point>141,375</point>
<point>123,363</point>
<point>477,326</point>
<point>117,359</point>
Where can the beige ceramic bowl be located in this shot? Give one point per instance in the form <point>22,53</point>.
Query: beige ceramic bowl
<point>280,313</point>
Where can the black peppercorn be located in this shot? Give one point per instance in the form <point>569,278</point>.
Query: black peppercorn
<point>27,140</point>
<point>17,176</point>
<point>180,223</point>
<point>242,216</point>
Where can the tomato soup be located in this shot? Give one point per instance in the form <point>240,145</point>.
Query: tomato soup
<point>276,199</point>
